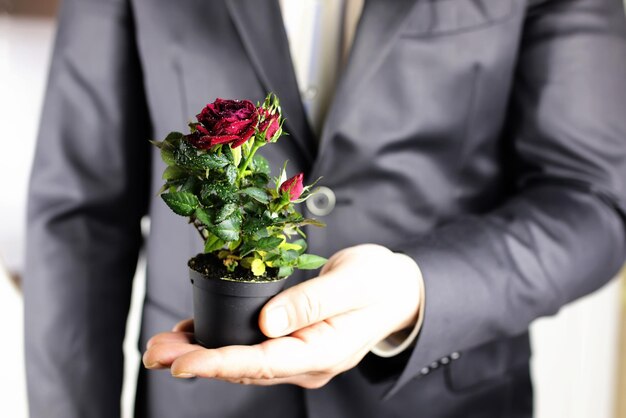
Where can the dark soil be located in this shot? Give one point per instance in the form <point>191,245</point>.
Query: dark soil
<point>210,265</point>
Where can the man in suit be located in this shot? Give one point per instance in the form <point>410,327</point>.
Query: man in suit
<point>484,140</point>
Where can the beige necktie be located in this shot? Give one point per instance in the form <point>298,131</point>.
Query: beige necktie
<point>352,14</point>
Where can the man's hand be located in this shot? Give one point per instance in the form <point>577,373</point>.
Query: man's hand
<point>318,329</point>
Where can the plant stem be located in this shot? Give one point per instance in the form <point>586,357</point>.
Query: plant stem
<point>243,167</point>
<point>199,227</point>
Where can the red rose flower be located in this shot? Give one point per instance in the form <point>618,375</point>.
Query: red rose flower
<point>225,122</point>
<point>293,186</point>
<point>270,125</point>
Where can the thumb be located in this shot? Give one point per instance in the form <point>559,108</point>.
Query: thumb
<point>310,302</point>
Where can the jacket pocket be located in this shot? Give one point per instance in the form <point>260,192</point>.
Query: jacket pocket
<point>444,17</point>
<point>487,364</point>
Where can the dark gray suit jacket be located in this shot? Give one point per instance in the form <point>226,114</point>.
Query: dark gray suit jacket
<point>484,138</point>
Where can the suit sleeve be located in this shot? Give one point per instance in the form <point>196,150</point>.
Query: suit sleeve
<point>88,191</point>
<point>561,233</point>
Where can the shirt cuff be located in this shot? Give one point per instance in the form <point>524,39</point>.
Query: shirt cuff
<point>399,341</point>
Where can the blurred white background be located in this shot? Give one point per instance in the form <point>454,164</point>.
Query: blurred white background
<point>575,359</point>
<point>25,48</point>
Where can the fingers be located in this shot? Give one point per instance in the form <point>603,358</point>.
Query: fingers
<point>163,355</point>
<point>310,302</point>
<point>280,358</point>
<point>307,381</point>
<point>184,326</point>
<point>171,337</point>
<point>344,285</point>
<point>309,359</point>
<point>280,361</point>
<point>163,348</point>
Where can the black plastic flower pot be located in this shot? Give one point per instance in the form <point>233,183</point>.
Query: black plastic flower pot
<point>226,311</point>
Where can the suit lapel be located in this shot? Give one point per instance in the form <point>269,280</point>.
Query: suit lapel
<point>261,28</point>
<point>379,26</point>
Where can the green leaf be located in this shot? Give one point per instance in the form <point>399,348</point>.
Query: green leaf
<point>269,243</point>
<point>185,155</point>
<point>182,203</point>
<point>173,137</point>
<point>229,229</point>
<point>308,191</point>
<point>189,157</point>
<point>291,246</point>
<point>302,244</point>
<point>169,143</point>
<point>313,222</point>
<point>233,245</point>
<point>257,194</point>
<point>231,173</point>
<point>261,233</point>
<point>190,185</point>
<point>246,148</point>
<point>258,180</point>
<point>246,262</point>
<point>289,256</point>
<point>282,177</point>
<point>310,262</point>
<point>224,191</point>
<point>214,160</point>
<point>293,217</point>
<point>261,164</point>
<point>158,144</point>
<point>276,261</point>
<point>271,257</point>
<point>251,207</point>
<point>258,267</point>
<point>204,216</point>
<point>213,243</point>
<point>174,172</point>
<point>163,188</point>
<point>225,212</point>
<point>236,153</point>
<point>246,248</point>
<point>254,224</point>
<point>285,271</point>
<point>168,156</point>
<point>228,152</point>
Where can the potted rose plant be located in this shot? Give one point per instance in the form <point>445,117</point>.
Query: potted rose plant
<point>252,233</point>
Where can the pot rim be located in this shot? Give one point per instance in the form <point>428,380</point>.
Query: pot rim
<point>234,287</point>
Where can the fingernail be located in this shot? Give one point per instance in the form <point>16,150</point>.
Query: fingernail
<point>151,365</point>
<point>277,320</point>
<point>183,375</point>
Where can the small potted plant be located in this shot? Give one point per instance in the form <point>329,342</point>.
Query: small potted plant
<point>252,233</point>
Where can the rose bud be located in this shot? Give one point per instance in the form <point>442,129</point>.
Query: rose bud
<point>225,122</point>
<point>293,186</point>
<point>270,125</point>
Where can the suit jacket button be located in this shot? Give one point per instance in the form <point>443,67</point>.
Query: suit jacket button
<point>424,371</point>
<point>444,360</point>
<point>309,94</point>
<point>455,355</point>
<point>322,202</point>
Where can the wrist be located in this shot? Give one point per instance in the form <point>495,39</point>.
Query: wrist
<point>406,334</point>
<point>410,292</point>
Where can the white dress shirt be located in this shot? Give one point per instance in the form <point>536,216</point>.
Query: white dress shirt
<point>320,33</point>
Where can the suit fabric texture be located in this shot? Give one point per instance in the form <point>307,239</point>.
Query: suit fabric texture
<point>484,138</point>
